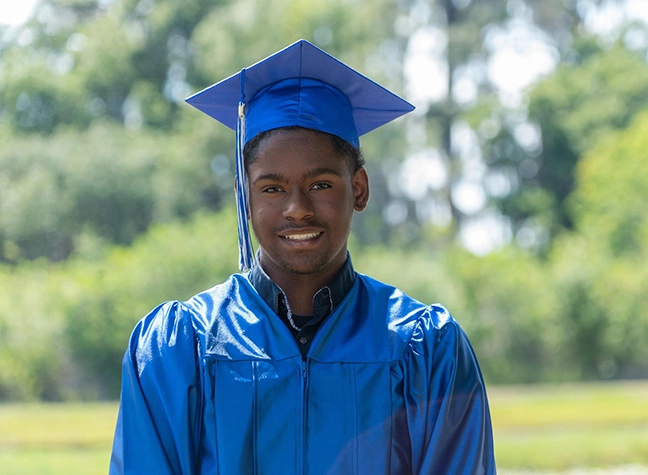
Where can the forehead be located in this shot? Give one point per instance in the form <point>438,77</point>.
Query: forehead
<point>297,148</point>
<point>285,135</point>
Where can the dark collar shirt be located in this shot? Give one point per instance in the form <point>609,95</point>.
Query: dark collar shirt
<point>325,300</point>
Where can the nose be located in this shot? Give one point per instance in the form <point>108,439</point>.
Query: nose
<point>298,206</point>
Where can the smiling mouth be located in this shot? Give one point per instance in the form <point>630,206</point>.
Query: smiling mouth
<point>301,237</point>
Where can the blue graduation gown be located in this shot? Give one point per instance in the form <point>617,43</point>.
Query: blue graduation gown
<point>217,385</point>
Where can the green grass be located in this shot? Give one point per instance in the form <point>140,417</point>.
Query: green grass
<point>56,439</point>
<point>55,461</point>
<point>576,425</point>
<point>536,427</point>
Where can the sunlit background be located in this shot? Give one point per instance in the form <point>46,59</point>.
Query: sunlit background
<point>516,194</point>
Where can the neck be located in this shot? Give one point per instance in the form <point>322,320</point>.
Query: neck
<point>300,298</point>
<point>300,289</point>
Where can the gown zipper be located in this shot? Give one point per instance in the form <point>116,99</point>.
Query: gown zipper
<point>304,414</point>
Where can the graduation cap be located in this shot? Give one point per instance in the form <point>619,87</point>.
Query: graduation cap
<point>301,85</point>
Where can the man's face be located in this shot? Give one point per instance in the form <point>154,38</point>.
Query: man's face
<point>302,198</point>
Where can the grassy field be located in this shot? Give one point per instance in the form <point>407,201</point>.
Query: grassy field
<point>566,426</point>
<point>56,439</point>
<point>537,428</point>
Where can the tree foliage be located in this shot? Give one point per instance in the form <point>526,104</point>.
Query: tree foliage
<point>599,266</point>
<point>579,105</point>
<point>108,183</point>
<point>575,107</point>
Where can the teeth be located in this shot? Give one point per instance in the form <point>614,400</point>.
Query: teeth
<point>301,237</point>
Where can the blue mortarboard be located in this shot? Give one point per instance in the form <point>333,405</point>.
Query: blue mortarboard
<point>301,85</point>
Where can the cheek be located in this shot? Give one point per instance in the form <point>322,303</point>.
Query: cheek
<point>259,215</point>
<point>264,215</point>
<point>257,205</point>
<point>338,214</point>
<point>340,205</point>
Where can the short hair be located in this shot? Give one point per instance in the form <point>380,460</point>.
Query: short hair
<point>340,146</point>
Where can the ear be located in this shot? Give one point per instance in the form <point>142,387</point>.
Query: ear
<point>360,184</point>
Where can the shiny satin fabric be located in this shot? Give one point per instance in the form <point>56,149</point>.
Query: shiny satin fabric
<point>217,385</point>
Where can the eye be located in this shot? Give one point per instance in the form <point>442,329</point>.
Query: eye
<point>272,189</point>
<point>320,186</point>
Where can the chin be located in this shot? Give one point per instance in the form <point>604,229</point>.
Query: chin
<point>303,268</point>
<point>306,264</point>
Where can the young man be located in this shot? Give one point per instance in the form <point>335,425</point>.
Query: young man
<point>301,366</point>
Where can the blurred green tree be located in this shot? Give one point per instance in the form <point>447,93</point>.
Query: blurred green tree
<point>469,36</point>
<point>31,322</point>
<point>599,267</point>
<point>601,91</point>
<point>108,182</point>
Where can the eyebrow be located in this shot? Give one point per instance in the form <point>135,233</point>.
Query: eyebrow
<point>315,172</point>
<point>321,171</point>
<point>271,177</point>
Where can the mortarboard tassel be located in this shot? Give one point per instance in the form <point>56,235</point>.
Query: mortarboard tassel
<point>246,254</point>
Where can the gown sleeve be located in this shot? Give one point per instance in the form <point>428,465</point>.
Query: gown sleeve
<point>447,408</point>
<point>158,413</point>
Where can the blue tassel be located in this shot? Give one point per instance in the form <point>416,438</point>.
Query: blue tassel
<point>246,254</point>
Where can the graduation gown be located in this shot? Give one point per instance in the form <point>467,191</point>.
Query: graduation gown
<point>217,385</point>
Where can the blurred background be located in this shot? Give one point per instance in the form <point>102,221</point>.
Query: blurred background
<point>516,194</point>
